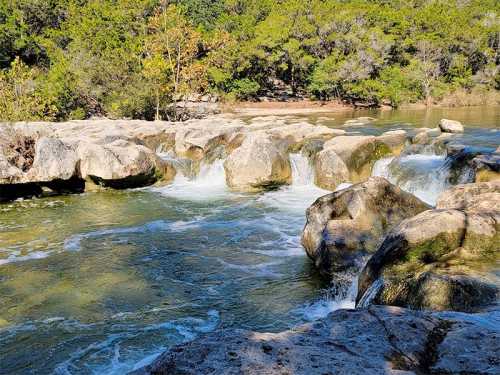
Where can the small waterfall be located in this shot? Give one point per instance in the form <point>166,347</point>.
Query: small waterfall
<point>185,166</point>
<point>425,176</point>
<point>208,184</point>
<point>371,293</point>
<point>302,170</point>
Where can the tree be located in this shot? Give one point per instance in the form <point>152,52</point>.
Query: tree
<point>20,97</point>
<point>172,46</point>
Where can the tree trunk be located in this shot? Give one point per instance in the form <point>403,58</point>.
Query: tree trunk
<point>157,115</point>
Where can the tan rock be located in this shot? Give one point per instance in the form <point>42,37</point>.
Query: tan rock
<point>258,164</point>
<point>329,170</point>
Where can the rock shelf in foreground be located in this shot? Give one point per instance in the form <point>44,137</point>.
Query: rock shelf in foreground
<point>377,340</point>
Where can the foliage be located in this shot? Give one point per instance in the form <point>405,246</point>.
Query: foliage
<point>21,97</point>
<point>133,58</point>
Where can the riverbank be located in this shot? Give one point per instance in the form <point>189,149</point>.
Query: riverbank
<point>133,273</point>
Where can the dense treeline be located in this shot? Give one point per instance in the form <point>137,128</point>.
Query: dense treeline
<point>63,59</point>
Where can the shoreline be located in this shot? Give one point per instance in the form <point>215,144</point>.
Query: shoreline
<point>306,107</point>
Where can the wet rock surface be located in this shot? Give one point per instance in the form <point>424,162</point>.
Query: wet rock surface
<point>347,224</point>
<point>377,340</point>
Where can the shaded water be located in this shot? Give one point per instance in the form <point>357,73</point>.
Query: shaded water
<point>100,283</point>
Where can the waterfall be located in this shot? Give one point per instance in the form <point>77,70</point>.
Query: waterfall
<point>371,293</point>
<point>208,184</point>
<point>426,176</point>
<point>302,170</point>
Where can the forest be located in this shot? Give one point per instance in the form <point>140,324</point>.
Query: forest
<point>74,59</point>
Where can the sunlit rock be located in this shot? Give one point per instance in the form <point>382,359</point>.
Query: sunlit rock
<point>451,126</point>
<point>440,259</point>
<point>347,224</point>
<point>359,153</point>
<point>376,341</point>
<point>258,164</point>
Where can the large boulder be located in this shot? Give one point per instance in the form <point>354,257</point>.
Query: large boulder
<point>343,226</point>
<point>260,163</point>
<point>468,195</point>
<point>359,153</point>
<point>451,126</point>
<point>196,143</point>
<point>441,259</point>
<point>120,164</point>
<point>375,341</point>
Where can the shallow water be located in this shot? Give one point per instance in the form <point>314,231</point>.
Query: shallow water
<point>100,283</point>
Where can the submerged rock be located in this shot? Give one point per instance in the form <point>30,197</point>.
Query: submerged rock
<point>451,126</point>
<point>344,225</point>
<point>440,259</point>
<point>258,164</point>
<point>378,340</point>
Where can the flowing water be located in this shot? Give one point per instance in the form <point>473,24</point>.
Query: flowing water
<point>101,283</point>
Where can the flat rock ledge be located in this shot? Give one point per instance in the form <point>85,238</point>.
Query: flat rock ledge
<point>377,340</point>
<point>78,156</point>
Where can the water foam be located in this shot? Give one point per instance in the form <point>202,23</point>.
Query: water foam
<point>210,184</point>
<point>423,175</point>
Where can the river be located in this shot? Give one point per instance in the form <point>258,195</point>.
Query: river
<point>101,283</point>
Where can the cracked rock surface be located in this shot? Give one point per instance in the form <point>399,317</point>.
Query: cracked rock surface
<point>377,340</point>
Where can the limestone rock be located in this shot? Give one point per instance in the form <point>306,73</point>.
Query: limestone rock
<point>451,126</point>
<point>344,225</point>
<point>298,134</point>
<point>464,196</point>
<point>440,259</point>
<point>359,153</point>
<point>486,167</point>
<point>394,139</point>
<point>120,164</point>
<point>258,164</point>
<point>329,170</point>
<point>375,341</point>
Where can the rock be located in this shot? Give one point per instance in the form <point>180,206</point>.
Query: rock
<point>359,153</point>
<point>394,139</point>
<point>451,126</point>
<point>54,160</point>
<point>486,167</point>
<point>461,197</point>
<point>375,341</point>
<point>345,225</point>
<point>298,134</point>
<point>196,143</point>
<point>329,170</point>
<point>258,164</point>
<point>440,259</point>
<point>120,164</point>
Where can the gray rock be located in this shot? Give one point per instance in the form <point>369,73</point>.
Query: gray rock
<point>378,340</point>
<point>344,225</point>
<point>359,153</point>
<point>441,259</point>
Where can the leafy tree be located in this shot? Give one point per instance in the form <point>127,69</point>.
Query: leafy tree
<point>20,96</point>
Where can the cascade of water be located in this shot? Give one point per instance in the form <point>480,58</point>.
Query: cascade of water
<point>210,183</point>
<point>371,293</point>
<point>302,171</point>
<point>426,176</point>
